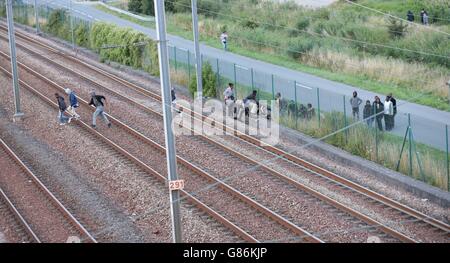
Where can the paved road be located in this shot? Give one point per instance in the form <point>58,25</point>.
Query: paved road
<point>428,123</point>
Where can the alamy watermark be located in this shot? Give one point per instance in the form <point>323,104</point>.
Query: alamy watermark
<point>255,118</point>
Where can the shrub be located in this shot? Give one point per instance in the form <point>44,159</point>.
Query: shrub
<point>125,46</point>
<point>135,6</point>
<point>82,35</point>
<point>396,28</point>
<point>208,81</point>
<point>298,46</point>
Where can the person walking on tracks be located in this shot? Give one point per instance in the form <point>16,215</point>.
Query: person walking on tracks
<point>62,108</point>
<point>73,103</point>
<point>99,102</point>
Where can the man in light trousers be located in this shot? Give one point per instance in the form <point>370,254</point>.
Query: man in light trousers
<point>99,102</point>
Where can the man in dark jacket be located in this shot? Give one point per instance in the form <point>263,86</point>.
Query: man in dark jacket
<point>99,102</point>
<point>62,108</point>
<point>367,113</point>
<point>378,110</point>
<point>410,16</point>
<point>251,98</point>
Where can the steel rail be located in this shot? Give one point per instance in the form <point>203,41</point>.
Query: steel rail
<point>300,186</point>
<point>304,234</point>
<point>18,216</point>
<point>270,149</point>
<point>45,190</point>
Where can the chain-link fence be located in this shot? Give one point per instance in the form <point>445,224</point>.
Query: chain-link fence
<point>415,146</point>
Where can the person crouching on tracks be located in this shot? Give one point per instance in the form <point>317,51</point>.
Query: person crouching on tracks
<point>99,102</point>
<point>73,103</point>
<point>62,108</point>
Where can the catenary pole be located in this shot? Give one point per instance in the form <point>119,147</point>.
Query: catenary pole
<point>71,24</point>
<point>36,16</point>
<point>198,57</point>
<point>167,110</point>
<point>12,49</point>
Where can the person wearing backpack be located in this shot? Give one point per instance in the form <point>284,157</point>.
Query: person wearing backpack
<point>73,103</point>
<point>99,102</point>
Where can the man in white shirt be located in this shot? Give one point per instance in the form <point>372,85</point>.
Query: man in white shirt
<point>229,98</point>
<point>388,113</point>
<point>224,40</point>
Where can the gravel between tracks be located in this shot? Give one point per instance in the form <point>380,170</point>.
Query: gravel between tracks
<point>206,157</point>
<point>131,193</point>
<point>320,159</point>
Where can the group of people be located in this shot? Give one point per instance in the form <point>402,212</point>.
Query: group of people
<point>423,16</point>
<point>376,111</point>
<point>98,101</point>
<point>249,105</point>
<point>293,109</point>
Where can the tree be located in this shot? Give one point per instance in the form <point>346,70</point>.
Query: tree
<point>208,80</point>
<point>396,27</point>
<point>135,6</point>
<point>148,7</point>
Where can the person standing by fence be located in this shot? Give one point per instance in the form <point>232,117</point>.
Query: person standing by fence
<point>367,113</point>
<point>394,104</point>
<point>378,110</point>
<point>355,101</point>
<point>388,113</point>
<point>229,99</point>
<point>410,16</point>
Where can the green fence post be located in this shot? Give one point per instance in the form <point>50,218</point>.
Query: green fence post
<point>448,161</point>
<point>345,121</point>
<point>410,145</point>
<point>189,65</point>
<point>273,89</point>
<point>235,86</point>
<point>175,57</point>
<point>296,105</point>
<point>218,72</point>
<point>318,105</point>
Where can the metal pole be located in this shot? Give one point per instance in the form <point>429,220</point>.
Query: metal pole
<point>345,121</point>
<point>448,83</point>
<point>218,73</point>
<point>12,50</point>
<point>235,86</point>
<point>318,105</point>
<point>296,104</point>
<point>175,57</point>
<point>198,57</point>
<point>273,88</point>
<point>71,25</point>
<point>189,64</point>
<point>448,161</point>
<point>36,16</point>
<point>410,145</point>
<point>167,109</point>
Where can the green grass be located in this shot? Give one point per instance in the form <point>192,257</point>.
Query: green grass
<point>401,92</point>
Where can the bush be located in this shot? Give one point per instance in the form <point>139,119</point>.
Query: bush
<point>135,6</point>
<point>208,81</point>
<point>396,28</point>
<point>298,46</point>
<point>124,46</point>
<point>82,35</point>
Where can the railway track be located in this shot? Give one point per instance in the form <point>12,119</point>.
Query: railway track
<point>304,195</point>
<point>42,215</point>
<point>240,211</point>
<point>292,162</point>
<point>15,221</point>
